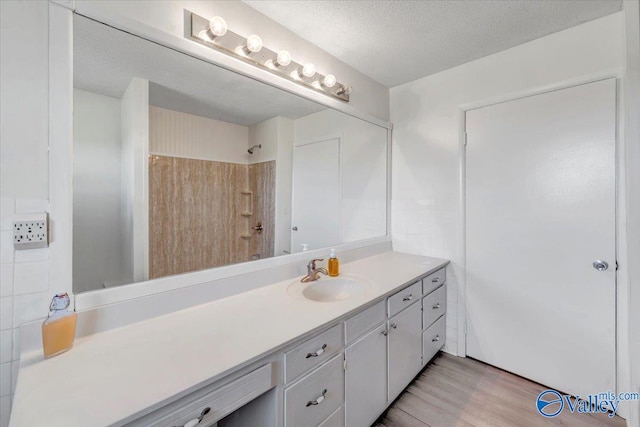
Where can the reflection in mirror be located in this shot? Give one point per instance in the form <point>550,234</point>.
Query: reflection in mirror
<point>180,165</point>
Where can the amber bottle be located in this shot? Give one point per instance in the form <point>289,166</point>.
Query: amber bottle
<point>333,264</point>
<point>59,329</point>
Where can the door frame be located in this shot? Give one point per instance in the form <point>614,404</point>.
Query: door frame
<point>339,136</point>
<point>622,367</point>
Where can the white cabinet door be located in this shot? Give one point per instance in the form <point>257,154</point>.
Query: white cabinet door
<point>405,348</point>
<point>366,378</point>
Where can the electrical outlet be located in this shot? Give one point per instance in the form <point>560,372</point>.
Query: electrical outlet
<point>31,234</point>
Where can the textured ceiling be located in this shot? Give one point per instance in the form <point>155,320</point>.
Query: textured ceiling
<point>105,60</point>
<point>395,42</point>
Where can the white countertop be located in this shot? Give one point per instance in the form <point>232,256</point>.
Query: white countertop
<point>109,377</point>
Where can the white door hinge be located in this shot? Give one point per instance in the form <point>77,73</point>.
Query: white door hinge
<point>344,365</point>
<point>465,139</point>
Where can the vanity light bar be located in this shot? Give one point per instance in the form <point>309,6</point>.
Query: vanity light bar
<point>214,33</point>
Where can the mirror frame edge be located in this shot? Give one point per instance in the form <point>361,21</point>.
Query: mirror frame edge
<point>61,149</point>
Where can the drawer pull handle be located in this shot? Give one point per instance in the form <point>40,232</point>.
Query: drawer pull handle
<point>437,306</point>
<point>394,326</point>
<point>435,280</point>
<point>385,332</point>
<point>318,400</point>
<point>317,352</point>
<point>194,422</point>
<point>437,338</point>
<point>409,298</point>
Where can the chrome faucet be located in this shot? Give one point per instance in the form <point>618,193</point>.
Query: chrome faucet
<point>313,273</point>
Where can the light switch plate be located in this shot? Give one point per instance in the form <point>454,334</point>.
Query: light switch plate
<point>31,234</point>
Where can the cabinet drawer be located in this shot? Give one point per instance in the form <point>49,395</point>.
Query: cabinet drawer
<point>433,340</point>
<point>404,298</point>
<point>433,280</point>
<point>433,306</point>
<point>335,420</point>
<point>313,398</point>
<point>362,322</point>
<point>221,401</point>
<point>312,353</point>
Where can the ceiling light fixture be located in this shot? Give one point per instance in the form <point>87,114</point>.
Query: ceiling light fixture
<point>210,32</point>
<point>254,44</point>
<point>309,70</point>
<point>329,81</point>
<point>217,27</point>
<point>283,59</point>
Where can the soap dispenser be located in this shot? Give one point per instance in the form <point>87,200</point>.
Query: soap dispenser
<point>59,329</point>
<point>333,264</point>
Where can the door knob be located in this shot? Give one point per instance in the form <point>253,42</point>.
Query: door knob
<point>294,228</point>
<point>600,265</point>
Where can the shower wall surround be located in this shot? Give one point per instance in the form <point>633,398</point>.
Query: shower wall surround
<point>262,178</point>
<point>204,197</point>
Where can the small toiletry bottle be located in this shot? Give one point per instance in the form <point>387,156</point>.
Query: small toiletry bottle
<point>59,329</point>
<point>334,264</point>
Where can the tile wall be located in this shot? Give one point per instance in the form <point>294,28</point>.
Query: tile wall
<point>24,292</point>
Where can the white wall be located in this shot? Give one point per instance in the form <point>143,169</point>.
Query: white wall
<point>266,134</point>
<point>368,96</point>
<point>177,134</point>
<point>426,214</point>
<point>134,130</point>
<point>284,186</point>
<point>363,158</point>
<point>97,230</point>
<point>276,137</point>
<point>24,172</point>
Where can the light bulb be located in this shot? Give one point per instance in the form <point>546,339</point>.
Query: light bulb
<point>254,43</point>
<point>218,26</point>
<point>283,58</point>
<point>309,70</point>
<point>329,80</point>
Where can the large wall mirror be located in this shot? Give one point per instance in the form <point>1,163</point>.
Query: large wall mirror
<point>180,165</point>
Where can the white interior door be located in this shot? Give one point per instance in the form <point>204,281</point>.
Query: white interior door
<point>315,216</point>
<point>540,210</point>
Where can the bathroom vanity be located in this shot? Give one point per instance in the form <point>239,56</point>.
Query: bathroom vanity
<point>267,357</point>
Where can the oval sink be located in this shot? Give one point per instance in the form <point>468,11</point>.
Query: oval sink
<point>329,289</point>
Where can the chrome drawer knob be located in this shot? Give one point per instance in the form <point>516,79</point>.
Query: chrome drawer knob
<point>437,338</point>
<point>317,352</point>
<point>437,306</point>
<point>435,280</point>
<point>385,332</point>
<point>318,400</point>
<point>600,265</point>
<point>394,326</point>
<point>408,298</point>
<point>194,422</point>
